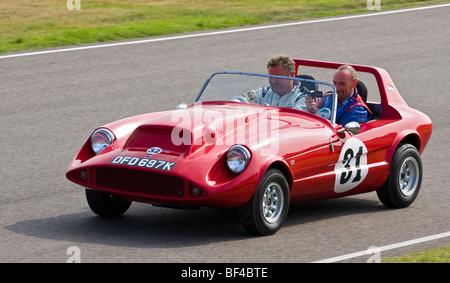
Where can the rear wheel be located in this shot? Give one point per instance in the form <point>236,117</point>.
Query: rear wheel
<point>265,213</point>
<point>105,204</point>
<point>405,178</point>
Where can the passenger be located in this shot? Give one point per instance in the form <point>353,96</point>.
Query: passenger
<point>281,92</point>
<point>351,107</point>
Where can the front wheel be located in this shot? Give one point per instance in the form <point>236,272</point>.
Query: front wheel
<point>107,205</point>
<point>265,213</point>
<point>405,178</point>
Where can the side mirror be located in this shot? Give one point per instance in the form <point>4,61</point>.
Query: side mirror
<point>182,105</point>
<point>315,93</point>
<point>353,127</point>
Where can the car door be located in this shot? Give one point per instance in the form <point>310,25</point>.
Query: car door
<point>347,164</point>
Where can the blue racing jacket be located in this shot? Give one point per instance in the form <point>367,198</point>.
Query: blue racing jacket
<point>353,109</point>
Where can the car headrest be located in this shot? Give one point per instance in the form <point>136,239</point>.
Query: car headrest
<point>362,90</point>
<point>308,85</point>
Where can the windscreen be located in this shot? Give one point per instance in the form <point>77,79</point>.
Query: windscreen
<point>302,94</point>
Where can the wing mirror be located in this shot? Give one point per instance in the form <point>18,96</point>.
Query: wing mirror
<point>353,127</point>
<point>315,93</point>
<point>182,105</point>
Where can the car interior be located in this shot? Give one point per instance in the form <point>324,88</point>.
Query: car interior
<point>375,108</point>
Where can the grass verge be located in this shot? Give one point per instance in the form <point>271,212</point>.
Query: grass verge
<point>28,25</point>
<point>438,255</point>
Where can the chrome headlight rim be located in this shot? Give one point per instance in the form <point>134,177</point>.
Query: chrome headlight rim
<point>103,134</point>
<point>237,158</point>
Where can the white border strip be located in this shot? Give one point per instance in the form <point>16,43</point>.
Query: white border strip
<point>385,248</point>
<point>224,31</point>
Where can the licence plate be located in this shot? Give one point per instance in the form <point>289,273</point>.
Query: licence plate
<point>143,162</point>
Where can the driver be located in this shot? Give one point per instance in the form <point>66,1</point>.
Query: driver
<point>351,107</point>
<point>281,92</point>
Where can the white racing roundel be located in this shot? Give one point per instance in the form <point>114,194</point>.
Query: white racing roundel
<point>351,168</point>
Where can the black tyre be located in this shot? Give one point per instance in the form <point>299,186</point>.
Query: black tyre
<point>265,213</point>
<point>405,178</point>
<point>107,205</point>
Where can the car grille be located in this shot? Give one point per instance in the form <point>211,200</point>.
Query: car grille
<point>142,182</point>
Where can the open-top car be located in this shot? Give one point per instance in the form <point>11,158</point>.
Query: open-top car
<point>220,152</point>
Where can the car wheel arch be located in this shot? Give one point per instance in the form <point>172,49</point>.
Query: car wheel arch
<point>408,138</point>
<point>283,167</point>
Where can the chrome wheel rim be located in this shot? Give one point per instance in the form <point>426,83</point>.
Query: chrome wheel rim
<point>272,202</point>
<point>408,178</point>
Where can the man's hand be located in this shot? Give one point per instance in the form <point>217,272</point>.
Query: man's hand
<point>311,104</point>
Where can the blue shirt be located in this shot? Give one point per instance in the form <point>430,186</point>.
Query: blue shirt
<point>353,109</point>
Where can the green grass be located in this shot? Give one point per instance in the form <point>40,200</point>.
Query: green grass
<point>439,255</point>
<point>27,25</point>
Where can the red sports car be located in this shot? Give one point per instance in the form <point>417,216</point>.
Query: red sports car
<point>221,153</point>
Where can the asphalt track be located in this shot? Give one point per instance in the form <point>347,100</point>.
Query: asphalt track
<point>50,103</point>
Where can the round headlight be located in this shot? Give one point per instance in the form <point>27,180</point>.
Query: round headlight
<point>238,157</point>
<point>101,139</point>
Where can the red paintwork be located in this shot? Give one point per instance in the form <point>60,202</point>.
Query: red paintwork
<point>304,152</point>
